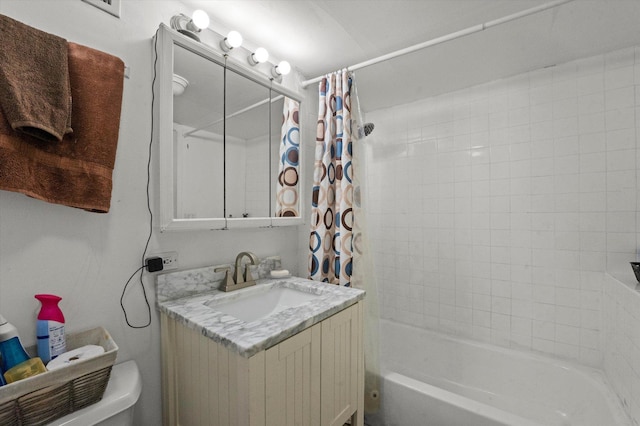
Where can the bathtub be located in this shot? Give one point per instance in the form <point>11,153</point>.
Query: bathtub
<point>430,379</point>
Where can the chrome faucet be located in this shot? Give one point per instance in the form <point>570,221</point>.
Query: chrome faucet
<point>239,280</point>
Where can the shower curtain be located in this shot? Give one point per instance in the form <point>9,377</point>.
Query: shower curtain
<point>339,247</point>
<point>288,163</point>
<point>330,242</point>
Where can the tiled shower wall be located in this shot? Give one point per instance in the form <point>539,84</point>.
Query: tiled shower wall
<point>496,210</point>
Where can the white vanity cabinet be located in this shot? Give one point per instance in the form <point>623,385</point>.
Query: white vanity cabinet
<point>314,378</point>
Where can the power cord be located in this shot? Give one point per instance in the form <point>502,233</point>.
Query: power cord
<point>146,246</point>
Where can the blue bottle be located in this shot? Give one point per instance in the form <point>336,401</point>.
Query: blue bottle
<point>11,350</point>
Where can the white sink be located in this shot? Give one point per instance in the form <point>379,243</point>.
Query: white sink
<point>258,305</point>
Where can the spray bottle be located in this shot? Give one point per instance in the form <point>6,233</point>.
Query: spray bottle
<point>12,352</point>
<point>50,328</point>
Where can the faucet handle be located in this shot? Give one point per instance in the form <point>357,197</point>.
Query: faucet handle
<point>227,283</point>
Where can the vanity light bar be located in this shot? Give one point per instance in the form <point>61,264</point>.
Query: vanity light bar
<point>199,20</point>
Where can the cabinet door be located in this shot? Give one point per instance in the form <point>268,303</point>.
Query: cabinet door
<point>339,369</point>
<point>292,376</point>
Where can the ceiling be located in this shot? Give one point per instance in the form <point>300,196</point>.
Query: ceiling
<point>320,36</point>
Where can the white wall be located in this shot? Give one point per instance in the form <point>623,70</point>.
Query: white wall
<point>496,210</point>
<point>87,257</point>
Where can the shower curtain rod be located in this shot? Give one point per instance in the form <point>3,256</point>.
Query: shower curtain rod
<point>243,110</point>
<point>448,37</point>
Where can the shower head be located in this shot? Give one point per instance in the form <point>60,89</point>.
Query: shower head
<point>368,128</point>
<point>365,130</point>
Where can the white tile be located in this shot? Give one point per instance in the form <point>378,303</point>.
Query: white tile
<point>621,160</point>
<point>568,164</point>
<point>567,334</point>
<point>519,116</point>
<point>592,103</point>
<point>501,305</point>
<point>593,261</point>
<point>621,201</point>
<point>593,162</point>
<point>593,241</point>
<point>500,255</point>
<point>482,286</point>
<point>568,297</point>
<point>543,203</point>
<point>595,181</point>
<point>543,330</point>
<point>591,300</point>
<point>563,108</point>
<point>620,119</point>
<point>542,240</point>
<point>567,240</point>
<point>566,351</point>
<point>619,58</point>
<point>567,259</point>
<point>621,242</point>
<point>590,83</point>
<point>543,345</point>
<point>593,142</point>
<point>543,166</point>
<point>568,200</point>
<point>519,169</point>
<point>519,134</point>
<point>500,170</point>
<point>543,184</point>
<point>568,316</point>
<point>591,123</point>
<point>522,308</point>
<point>621,139</point>
<point>619,77</point>
<point>521,238</point>
<point>542,221</point>
<point>623,97</point>
<point>620,180</point>
<point>500,322</point>
<point>565,88</point>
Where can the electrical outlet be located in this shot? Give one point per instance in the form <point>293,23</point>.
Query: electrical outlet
<point>169,260</point>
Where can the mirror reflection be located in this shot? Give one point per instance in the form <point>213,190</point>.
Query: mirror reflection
<point>198,126</point>
<point>248,137</point>
<point>234,149</point>
<point>287,158</point>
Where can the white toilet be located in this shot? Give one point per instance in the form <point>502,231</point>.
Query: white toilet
<point>117,404</point>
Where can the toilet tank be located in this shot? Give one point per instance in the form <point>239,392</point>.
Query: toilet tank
<point>117,404</point>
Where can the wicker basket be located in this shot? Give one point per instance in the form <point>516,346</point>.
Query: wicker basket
<point>41,399</point>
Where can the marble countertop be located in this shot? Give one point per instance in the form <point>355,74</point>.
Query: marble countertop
<point>249,338</point>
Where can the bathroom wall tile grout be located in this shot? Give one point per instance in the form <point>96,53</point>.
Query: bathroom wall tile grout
<point>502,205</point>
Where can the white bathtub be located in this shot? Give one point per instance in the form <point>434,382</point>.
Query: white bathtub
<point>430,379</point>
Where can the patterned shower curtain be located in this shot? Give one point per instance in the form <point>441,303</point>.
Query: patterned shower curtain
<point>287,190</point>
<point>330,241</point>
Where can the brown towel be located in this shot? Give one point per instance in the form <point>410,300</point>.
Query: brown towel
<point>34,80</point>
<point>76,171</point>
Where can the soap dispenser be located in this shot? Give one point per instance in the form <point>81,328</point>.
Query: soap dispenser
<point>12,352</point>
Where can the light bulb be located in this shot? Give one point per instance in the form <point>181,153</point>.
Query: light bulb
<point>261,54</point>
<point>234,39</point>
<point>284,68</point>
<point>200,19</point>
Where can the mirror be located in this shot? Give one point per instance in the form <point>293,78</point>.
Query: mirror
<point>229,141</point>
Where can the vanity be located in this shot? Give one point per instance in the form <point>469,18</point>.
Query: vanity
<point>285,351</point>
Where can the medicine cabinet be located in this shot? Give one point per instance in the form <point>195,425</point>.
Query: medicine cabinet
<point>223,163</point>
